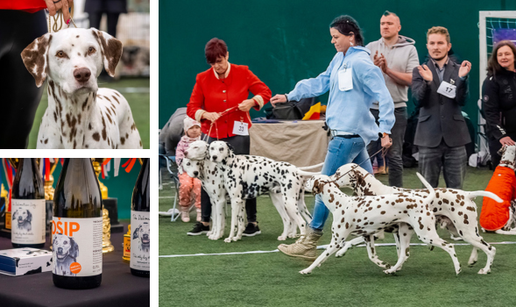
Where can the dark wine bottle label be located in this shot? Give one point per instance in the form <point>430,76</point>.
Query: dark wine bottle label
<point>28,221</point>
<point>77,246</point>
<point>140,240</point>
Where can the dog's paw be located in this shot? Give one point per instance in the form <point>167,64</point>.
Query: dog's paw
<point>227,240</point>
<point>484,272</point>
<point>282,238</point>
<point>472,262</point>
<point>390,271</point>
<point>305,272</point>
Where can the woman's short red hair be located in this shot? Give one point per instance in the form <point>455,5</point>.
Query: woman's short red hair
<point>215,49</point>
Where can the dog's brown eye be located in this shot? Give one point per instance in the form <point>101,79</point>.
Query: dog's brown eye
<point>60,54</point>
<point>91,50</point>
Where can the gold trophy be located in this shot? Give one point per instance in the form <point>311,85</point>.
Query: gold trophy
<point>49,190</point>
<point>107,247</point>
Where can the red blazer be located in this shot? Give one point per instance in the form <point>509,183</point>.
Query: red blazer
<point>214,95</point>
<point>503,183</point>
<point>30,6</point>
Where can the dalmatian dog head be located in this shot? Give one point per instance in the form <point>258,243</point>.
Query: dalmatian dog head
<point>23,219</point>
<point>197,150</point>
<point>346,176</point>
<point>316,183</point>
<point>508,153</point>
<point>142,234</point>
<point>219,151</point>
<point>192,167</point>
<point>72,59</point>
<point>65,248</point>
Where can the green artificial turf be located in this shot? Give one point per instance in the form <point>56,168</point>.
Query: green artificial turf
<point>272,279</point>
<point>135,90</point>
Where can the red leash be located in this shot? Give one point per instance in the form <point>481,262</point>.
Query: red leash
<point>214,123</point>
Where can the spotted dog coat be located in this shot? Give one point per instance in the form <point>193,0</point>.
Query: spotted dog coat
<point>454,209</point>
<point>79,114</point>
<point>198,169</point>
<point>367,215</point>
<point>499,217</point>
<point>248,176</point>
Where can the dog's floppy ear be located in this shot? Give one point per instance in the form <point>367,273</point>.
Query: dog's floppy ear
<point>29,216</point>
<point>111,49</point>
<point>136,231</point>
<point>315,188</point>
<point>35,57</point>
<point>74,249</point>
<point>230,147</point>
<point>14,214</point>
<point>501,151</point>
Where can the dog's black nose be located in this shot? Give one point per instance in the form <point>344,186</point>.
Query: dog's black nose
<point>196,173</point>
<point>213,158</point>
<point>60,250</point>
<point>82,74</point>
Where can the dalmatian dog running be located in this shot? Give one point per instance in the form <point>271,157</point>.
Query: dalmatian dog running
<point>367,215</point>
<point>198,165</point>
<point>65,252</point>
<point>247,176</point>
<point>454,209</point>
<point>500,217</point>
<point>79,113</point>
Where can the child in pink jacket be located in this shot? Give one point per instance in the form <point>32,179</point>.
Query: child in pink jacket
<point>189,188</point>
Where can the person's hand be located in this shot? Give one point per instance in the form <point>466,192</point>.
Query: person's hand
<point>211,116</point>
<point>507,141</point>
<point>55,5</point>
<point>464,69</point>
<point>425,72</point>
<point>246,105</point>
<point>386,141</point>
<point>278,98</point>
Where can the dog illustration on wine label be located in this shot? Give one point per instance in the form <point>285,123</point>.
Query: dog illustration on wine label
<point>66,251</point>
<point>22,219</point>
<point>142,234</point>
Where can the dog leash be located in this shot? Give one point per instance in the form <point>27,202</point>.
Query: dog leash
<point>214,123</point>
<point>384,152</point>
<point>58,20</point>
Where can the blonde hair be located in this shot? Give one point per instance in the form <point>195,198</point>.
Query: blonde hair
<point>438,30</point>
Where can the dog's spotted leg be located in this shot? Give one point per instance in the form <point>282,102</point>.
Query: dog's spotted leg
<point>332,248</point>
<point>371,252</point>
<point>403,243</point>
<point>348,245</point>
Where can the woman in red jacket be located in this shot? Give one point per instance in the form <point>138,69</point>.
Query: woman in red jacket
<point>220,102</point>
<point>21,22</point>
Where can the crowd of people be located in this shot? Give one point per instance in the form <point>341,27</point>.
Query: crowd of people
<point>370,85</point>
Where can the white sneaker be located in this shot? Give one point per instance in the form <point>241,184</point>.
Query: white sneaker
<point>185,216</point>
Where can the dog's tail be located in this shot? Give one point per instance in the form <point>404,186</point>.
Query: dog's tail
<point>491,195</point>
<point>307,174</point>
<point>431,191</point>
<point>310,166</point>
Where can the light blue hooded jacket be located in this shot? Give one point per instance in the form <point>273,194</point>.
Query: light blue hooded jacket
<point>348,111</point>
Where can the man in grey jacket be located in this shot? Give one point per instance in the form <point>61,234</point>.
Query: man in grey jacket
<point>397,57</point>
<point>440,87</point>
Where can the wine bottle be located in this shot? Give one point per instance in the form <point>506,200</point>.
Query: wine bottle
<point>140,226</point>
<point>77,227</point>
<point>28,210</point>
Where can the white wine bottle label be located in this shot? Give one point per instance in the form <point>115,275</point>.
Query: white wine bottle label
<point>28,221</point>
<point>77,246</point>
<point>140,240</point>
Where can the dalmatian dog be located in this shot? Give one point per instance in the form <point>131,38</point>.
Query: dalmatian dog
<point>142,234</point>
<point>65,252</point>
<point>22,218</point>
<point>494,216</point>
<point>79,113</point>
<point>247,176</point>
<point>367,215</point>
<point>200,166</point>
<point>454,210</point>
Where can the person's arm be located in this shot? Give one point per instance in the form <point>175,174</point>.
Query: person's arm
<point>374,85</point>
<point>401,78</point>
<point>194,108</point>
<point>259,89</point>
<point>461,92</point>
<point>55,5</point>
<point>420,87</point>
<point>491,107</point>
<point>180,153</point>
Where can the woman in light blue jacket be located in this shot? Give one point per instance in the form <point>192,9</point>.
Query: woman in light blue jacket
<point>354,83</point>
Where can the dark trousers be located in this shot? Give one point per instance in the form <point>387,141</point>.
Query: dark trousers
<point>20,96</point>
<point>112,21</point>
<point>451,159</point>
<point>395,152</point>
<point>241,146</point>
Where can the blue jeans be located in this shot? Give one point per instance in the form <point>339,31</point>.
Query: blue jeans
<point>452,160</point>
<point>340,151</point>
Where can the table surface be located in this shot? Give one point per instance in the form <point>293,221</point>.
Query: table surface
<point>301,143</point>
<point>118,288</point>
